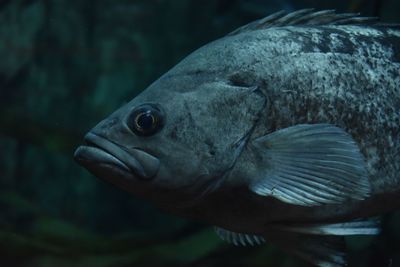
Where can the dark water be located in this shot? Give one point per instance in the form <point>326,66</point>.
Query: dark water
<point>66,64</point>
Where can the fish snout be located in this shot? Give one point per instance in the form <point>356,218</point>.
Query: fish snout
<point>99,152</point>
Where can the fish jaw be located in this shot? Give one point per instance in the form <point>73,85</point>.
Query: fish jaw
<point>105,158</point>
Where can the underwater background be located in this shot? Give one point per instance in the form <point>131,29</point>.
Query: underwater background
<point>67,64</point>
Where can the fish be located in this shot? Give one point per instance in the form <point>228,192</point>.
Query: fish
<point>284,131</point>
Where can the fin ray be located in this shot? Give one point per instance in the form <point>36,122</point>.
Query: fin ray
<point>305,17</point>
<point>310,164</point>
<point>322,251</point>
<point>358,227</point>
<point>239,239</point>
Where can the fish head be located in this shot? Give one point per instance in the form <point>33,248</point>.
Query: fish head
<point>176,140</point>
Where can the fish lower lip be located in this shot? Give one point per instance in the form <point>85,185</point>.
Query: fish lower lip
<point>102,151</point>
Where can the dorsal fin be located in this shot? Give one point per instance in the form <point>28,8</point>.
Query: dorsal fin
<point>305,17</point>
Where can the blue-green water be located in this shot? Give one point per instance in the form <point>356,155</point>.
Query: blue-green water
<point>65,65</point>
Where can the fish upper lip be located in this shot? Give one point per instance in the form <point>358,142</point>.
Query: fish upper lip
<point>117,155</point>
<point>92,154</point>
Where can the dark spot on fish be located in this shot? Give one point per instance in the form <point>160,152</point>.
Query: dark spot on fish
<point>391,41</point>
<point>196,72</point>
<point>211,147</point>
<point>241,79</point>
<point>173,134</point>
<point>338,41</point>
<point>189,114</point>
<point>328,41</point>
<point>394,73</point>
<point>395,44</point>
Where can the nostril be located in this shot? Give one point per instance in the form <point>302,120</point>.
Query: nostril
<point>112,122</point>
<point>106,124</point>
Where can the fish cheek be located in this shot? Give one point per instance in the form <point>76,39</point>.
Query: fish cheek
<point>222,117</point>
<point>205,130</point>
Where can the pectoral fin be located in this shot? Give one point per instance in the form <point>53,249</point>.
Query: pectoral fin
<point>310,164</point>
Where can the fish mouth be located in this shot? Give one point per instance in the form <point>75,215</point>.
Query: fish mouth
<point>99,154</point>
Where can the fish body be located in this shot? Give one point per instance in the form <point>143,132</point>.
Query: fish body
<point>285,130</point>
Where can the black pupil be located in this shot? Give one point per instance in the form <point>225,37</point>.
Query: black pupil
<point>145,121</point>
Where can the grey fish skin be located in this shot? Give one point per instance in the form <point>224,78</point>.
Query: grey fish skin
<point>240,115</point>
<point>348,76</point>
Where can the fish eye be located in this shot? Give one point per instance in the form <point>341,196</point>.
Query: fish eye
<point>146,120</point>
